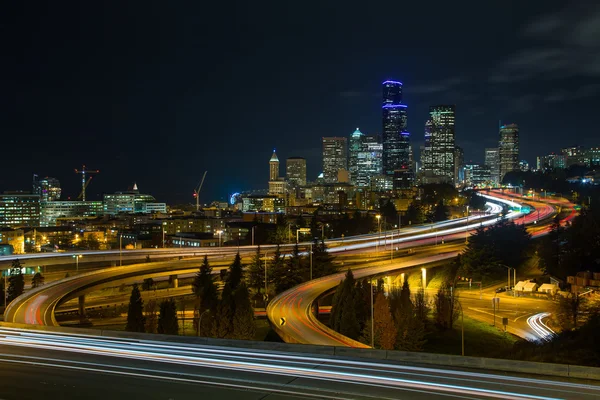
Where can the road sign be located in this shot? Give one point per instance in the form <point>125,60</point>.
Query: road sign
<point>281,321</point>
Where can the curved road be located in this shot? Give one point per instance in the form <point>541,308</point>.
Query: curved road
<point>290,312</point>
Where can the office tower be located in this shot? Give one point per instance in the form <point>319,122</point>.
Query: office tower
<point>438,160</point>
<point>335,157</point>
<point>508,149</point>
<point>459,165</point>
<point>396,140</point>
<point>47,188</point>
<point>19,209</point>
<point>551,161</point>
<point>276,184</point>
<point>52,210</point>
<point>355,146</point>
<point>368,160</point>
<point>274,167</point>
<point>593,156</point>
<point>575,156</point>
<point>295,171</point>
<point>477,175</point>
<point>492,160</point>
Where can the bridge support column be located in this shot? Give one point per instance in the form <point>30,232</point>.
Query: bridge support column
<point>113,263</point>
<point>82,306</point>
<point>174,281</point>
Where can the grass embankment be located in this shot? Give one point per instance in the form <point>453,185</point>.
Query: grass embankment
<point>481,340</point>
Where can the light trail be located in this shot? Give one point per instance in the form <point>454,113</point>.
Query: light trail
<point>353,373</point>
<point>539,327</point>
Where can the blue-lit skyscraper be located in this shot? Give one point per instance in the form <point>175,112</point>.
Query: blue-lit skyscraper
<point>396,145</point>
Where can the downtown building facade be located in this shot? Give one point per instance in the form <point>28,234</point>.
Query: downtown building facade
<point>295,171</point>
<point>396,156</point>
<point>335,158</point>
<point>19,209</point>
<point>508,149</point>
<point>492,160</point>
<point>439,152</point>
<point>365,159</point>
<point>47,188</point>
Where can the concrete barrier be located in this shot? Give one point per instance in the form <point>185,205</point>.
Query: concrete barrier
<point>411,358</point>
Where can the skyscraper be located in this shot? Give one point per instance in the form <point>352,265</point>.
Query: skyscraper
<point>295,171</point>
<point>508,149</point>
<point>492,160</point>
<point>335,157</point>
<point>47,188</point>
<point>368,160</point>
<point>354,148</point>
<point>459,166</point>
<point>396,151</point>
<point>438,160</point>
<point>276,184</point>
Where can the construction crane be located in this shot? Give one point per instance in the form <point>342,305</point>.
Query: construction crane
<point>197,191</point>
<point>84,184</point>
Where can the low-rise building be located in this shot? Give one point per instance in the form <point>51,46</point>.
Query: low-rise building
<point>14,238</point>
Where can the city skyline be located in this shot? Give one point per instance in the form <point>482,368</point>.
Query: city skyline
<point>109,99</point>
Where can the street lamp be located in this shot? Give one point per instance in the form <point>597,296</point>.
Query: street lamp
<point>77,257</point>
<point>372,317</point>
<point>379,236</point>
<point>266,283</point>
<point>467,227</point>
<point>219,232</point>
<point>424,277</point>
<point>120,249</point>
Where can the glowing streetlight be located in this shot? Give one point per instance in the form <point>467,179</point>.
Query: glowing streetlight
<point>379,236</point>
<point>219,233</point>
<point>77,257</point>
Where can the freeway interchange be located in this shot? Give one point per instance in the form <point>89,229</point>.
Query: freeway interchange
<point>159,366</point>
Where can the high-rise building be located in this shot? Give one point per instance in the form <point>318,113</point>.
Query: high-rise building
<point>274,167</point>
<point>47,188</point>
<point>551,161</point>
<point>19,209</point>
<point>576,155</point>
<point>593,156</point>
<point>438,160</point>
<point>368,160</point>
<point>477,175</point>
<point>295,171</point>
<point>508,149</point>
<point>492,160</point>
<point>277,185</point>
<point>459,166</point>
<point>355,146</point>
<point>335,157</point>
<point>396,139</point>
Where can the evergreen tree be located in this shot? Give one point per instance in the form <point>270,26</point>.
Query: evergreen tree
<point>243,317</point>
<point>414,213</point>
<point>362,298</point>
<point>223,317</point>
<point>440,212</point>
<point>322,261</point>
<point>148,284</point>
<point>446,308</point>
<point>256,272</point>
<point>410,329</point>
<point>151,317</point>
<point>135,312</point>
<point>16,282</point>
<point>421,304</point>
<point>279,272</point>
<point>37,280</point>
<point>385,330</point>
<point>336,308</point>
<point>167,318</point>
<point>236,273</point>
<point>204,287</point>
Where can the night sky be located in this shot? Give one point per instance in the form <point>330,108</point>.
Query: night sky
<point>159,92</point>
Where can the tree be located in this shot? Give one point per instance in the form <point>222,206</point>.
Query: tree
<point>135,312</point>
<point>223,315</point>
<point>569,310</point>
<point>322,261</point>
<point>385,331</point>
<point>167,318</point>
<point>16,282</point>
<point>446,308</point>
<point>279,272</point>
<point>243,317</point>
<point>256,272</point>
<point>291,272</point>
<point>388,211</point>
<point>410,328</point>
<point>235,274</point>
<point>421,304</point>
<point>440,212</point>
<point>343,317</point>
<point>151,317</point>
<point>37,280</point>
<point>414,213</point>
<point>204,287</point>
<point>147,284</point>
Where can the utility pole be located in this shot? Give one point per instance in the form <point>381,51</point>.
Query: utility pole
<point>311,261</point>
<point>372,317</point>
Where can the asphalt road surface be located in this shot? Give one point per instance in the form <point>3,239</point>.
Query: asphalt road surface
<point>39,365</point>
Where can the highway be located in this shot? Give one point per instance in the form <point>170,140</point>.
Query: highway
<point>294,305</point>
<point>67,366</point>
